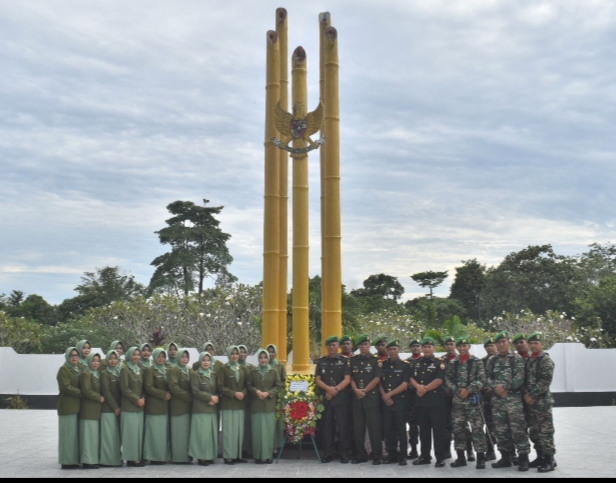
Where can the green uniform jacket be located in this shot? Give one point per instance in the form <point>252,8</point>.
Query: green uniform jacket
<point>179,387</point>
<point>269,383</point>
<point>131,385</point>
<point>203,388</point>
<point>110,387</point>
<point>69,400</point>
<point>507,370</point>
<point>91,404</point>
<point>156,389</point>
<point>364,369</point>
<point>457,376</point>
<point>228,386</point>
<point>539,375</point>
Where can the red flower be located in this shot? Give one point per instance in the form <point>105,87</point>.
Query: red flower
<point>299,410</point>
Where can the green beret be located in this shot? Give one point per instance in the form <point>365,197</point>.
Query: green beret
<point>330,339</point>
<point>428,341</point>
<point>393,343</point>
<point>518,337</point>
<point>344,338</point>
<point>363,338</point>
<point>489,340</point>
<point>380,339</point>
<point>501,335</point>
<point>462,340</point>
<point>448,338</point>
<point>414,342</point>
<point>535,336</point>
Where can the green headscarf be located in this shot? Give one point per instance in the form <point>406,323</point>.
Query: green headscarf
<point>263,369</point>
<point>172,360</point>
<point>89,360</point>
<point>67,357</point>
<point>129,360</point>
<point>206,372</point>
<point>80,345</point>
<point>145,362</point>
<point>240,361</point>
<point>275,361</point>
<point>115,344</point>
<point>233,365</point>
<point>178,361</point>
<point>162,368</point>
<point>113,370</point>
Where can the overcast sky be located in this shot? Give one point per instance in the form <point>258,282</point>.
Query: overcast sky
<point>468,130</point>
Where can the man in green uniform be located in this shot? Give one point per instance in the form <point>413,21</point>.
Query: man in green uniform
<point>465,377</point>
<point>333,377</point>
<point>486,402</point>
<point>366,373</point>
<point>537,395</point>
<point>521,345</point>
<point>393,390</point>
<point>427,379</point>
<point>411,415</point>
<point>505,376</point>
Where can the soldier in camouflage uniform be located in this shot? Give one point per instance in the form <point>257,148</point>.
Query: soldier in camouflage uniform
<point>465,377</point>
<point>486,402</point>
<point>450,347</point>
<point>411,417</point>
<point>537,395</point>
<point>505,376</point>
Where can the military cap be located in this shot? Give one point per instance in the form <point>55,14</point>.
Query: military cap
<point>393,343</point>
<point>501,335</point>
<point>344,338</point>
<point>414,342</point>
<point>489,340</point>
<point>380,339</point>
<point>428,341</point>
<point>363,338</point>
<point>518,337</point>
<point>448,338</point>
<point>330,339</point>
<point>535,336</point>
<point>462,340</point>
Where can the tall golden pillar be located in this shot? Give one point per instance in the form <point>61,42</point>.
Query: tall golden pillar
<point>282,31</point>
<point>331,314</point>
<point>271,222</point>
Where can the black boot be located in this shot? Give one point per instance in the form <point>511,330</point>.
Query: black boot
<point>514,458</point>
<point>523,462</point>
<point>504,462</point>
<point>547,464</point>
<point>481,461</point>
<point>461,461</point>
<point>490,454</point>
<point>536,463</point>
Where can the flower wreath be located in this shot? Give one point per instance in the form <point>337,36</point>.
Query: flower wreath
<point>299,410</point>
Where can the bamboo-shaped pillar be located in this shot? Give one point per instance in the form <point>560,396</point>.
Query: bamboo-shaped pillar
<point>282,31</point>
<point>301,343</point>
<point>271,222</point>
<point>331,313</point>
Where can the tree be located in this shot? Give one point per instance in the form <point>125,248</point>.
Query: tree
<point>380,285</point>
<point>597,307</point>
<point>429,279</point>
<point>598,263</point>
<point>198,250</point>
<point>467,287</point>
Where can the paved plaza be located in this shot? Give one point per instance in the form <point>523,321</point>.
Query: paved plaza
<point>585,442</point>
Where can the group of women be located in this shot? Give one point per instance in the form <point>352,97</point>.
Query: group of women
<point>150,406</point>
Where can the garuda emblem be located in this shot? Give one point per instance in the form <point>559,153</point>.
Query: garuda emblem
<point>298,126</point>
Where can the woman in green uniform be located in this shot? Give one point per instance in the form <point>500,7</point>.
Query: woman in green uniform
<point>84,347</point>
<point>178,378</point>
<point>156,446</point>
<point>172,351</point>
<point>90,413</point>
<point>146,356</point>
<point>133,402</point>
<point>232,388</point>
<point>282,372</point>
<point>203,443</point>
<point>69,404</point>
<point>263,387</point>
<point>110,416</point>
<point>243,361</point>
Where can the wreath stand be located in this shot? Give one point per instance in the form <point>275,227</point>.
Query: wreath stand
<point>300,444</point>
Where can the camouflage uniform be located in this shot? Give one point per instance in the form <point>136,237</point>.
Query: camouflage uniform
<point>486,404</point>
<point>539,374</point>
<point>508,412</point>
<point>468,375</point>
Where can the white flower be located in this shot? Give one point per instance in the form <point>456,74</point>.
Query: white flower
<point>562,316</point>
<point>569,338</point>
<point>592,339</point>
<point>115,318</point>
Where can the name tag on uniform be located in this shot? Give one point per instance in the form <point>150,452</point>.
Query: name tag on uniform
<point>431,366</point>
<point>368,368</point>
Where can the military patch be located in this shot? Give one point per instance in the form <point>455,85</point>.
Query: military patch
<point>443,366</point>
<point>380,363</point>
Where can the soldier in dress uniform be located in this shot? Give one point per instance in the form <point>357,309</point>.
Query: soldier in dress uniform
<point>346,350</point>
<point>537,395</point>
<point>411,415</point>
<point>333,377</point>
<point>380,345</point>
<point>486,401</point>
<point>427,378</point>
<point>465,377</point>
<point>346,346</point>
<point>366,373</point>
<point>393,390</point>
<point>505,376</point>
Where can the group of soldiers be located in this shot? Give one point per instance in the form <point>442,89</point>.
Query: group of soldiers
<point>502,400</point>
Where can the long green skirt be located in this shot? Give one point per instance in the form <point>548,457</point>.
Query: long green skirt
<point>247,446</point>
<point>132,435</point>
<point>89,441</point>
<point>156,446</point>
<point>203,443</point>
<point>232,433</point>
<point>263,428</point>
<point>110,440</point>
<point>180,434</point>
<point>278,433</point>
<point>68,439</point>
